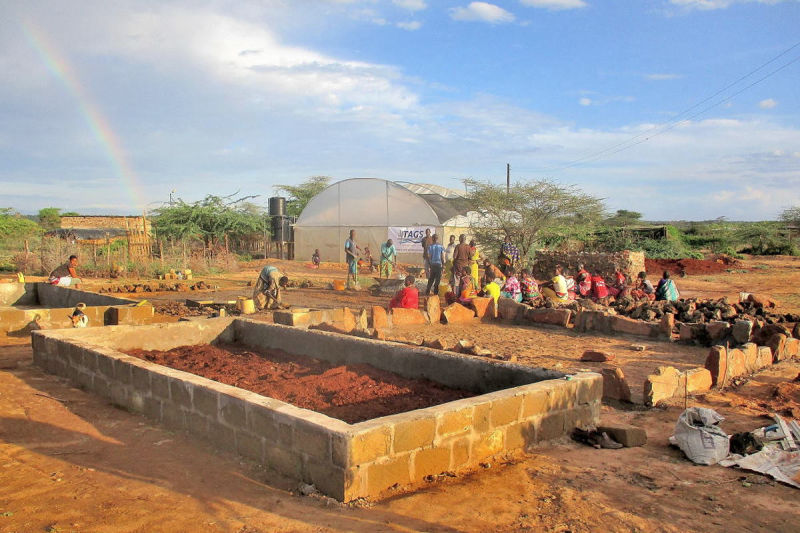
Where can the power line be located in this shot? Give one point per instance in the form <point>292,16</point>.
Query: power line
<point>667,126</point>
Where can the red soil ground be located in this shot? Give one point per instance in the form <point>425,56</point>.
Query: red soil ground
<point>352,393</point>
<point>690,266</point>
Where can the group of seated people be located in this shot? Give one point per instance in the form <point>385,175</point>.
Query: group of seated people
<point>521,286</point>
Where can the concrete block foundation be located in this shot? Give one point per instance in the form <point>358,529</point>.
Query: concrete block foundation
<point>515,407</point>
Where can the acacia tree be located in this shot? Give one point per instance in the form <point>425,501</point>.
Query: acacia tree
<point>300,195</point>
<point>209,220</point>
<point>529,212</point>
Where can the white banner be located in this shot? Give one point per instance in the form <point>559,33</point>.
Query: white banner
<point>408,239</point>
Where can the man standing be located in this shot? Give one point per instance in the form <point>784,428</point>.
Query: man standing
<point>426,242</point>
<point>66,275</point>
<point>267,292</point>
<point>462,255</point>
<point>351,251</point>
<point>436,259</point>
<point>388,259</point>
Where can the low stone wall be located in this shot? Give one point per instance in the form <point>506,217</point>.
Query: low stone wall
<point>631,263</point>
<point>604,322</point>
<point>54,296</point>
<point>17,294</point>
<point>518,407</point>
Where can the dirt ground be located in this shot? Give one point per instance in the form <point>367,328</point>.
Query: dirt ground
<point>69,461</point>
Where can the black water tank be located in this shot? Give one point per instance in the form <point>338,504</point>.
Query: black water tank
<point>282,229</point>
<point>277,206</point>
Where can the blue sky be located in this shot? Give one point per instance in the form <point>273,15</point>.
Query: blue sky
<point>106,107</point>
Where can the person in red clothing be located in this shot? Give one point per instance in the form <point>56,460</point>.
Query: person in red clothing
<point>599,289</point>
<point>407,297</point>
<point>584,281</point>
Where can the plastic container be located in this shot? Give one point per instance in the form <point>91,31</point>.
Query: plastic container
<point>338,285</point>
<point>246,305</point>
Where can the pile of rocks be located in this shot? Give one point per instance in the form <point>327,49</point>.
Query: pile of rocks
<point>696,311</point>
<point>161,287</point>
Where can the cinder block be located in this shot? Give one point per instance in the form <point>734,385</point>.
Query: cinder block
<point>249,445</point>
<point>136,315</point>
<point>159,385</point>
<point>536,402</point>
<point>288,463</point>
<point>460,453</point>
<point>506,410</point>
<point>487,444</point>
<point>102,387</point>
<point>123,372</point>
<point>449,422</point>
<point>481,417</point>
<point>327,478</point>
<point>551,426</point>
<point>173,417</point>
<point>206,401</point>
<point>140,378</point>
<point>312,440</point>
<point>430,461</point>
<point>627,435</point>
<point>152,408</point>
<point>520,436</point>
<point>388,473</point>
<point>220,435</point>
<point>231,411</point>
<point>180,392</point>
<point>340,449</point>
<point>197,425</point>
<point>369,445</point>
<point>414,433</point>
<point>589,387</point>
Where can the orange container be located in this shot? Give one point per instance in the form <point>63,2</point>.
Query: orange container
<point>338,285</point>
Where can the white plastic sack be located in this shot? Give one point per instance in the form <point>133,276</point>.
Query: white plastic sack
<point>699,437</point>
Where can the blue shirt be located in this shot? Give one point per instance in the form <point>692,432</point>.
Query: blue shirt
<point>435,252</point>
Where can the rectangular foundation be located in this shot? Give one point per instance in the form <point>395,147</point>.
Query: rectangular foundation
<point>516,406</point>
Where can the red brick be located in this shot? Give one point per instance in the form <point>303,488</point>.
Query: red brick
<point>406,317</point>
<point>596,356</point>
<point>457,313</point>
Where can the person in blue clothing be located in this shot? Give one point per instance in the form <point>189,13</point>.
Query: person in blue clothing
<point>351,252</point>
<point>666,289</point>
<point>436,262</point>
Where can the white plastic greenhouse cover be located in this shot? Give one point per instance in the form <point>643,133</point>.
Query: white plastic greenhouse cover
<point>366,202</point>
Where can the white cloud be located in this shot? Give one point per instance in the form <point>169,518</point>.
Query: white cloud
<point>411,5</point>
<point>662,76</point>
<point>555,5</point>
<point>769,103</point>
<point>410,26</point>
<point>707,5</point>
<point>481,12</point>
<point>585,101</point>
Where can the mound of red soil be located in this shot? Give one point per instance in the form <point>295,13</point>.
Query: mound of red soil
<point>352,393</point>
<point>690,266</point>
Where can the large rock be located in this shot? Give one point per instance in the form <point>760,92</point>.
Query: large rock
<point>362,320</point>
<point>737,363</point>
<point>792,348</point>
<point>380,320</point>
<point>509,310</point>
<point>630,326</point>
<point>456,313</point>
<point>762,335</point>
<point>697,380</point>
<point>407,317</point>
<point>667,324</point>
<point>761,300</point>
<point>717,365</point>
<point>796,331</point>
<point>596,356</point>
<point>741,331</point>
<point>751,361</point>
<point>437,344</point>
<point>348,324</point>
<point>717,330</point>
<point>777,343</point>
<point>662,385</point>
<point>764,356</point>
<point>555,317</point>
<point>481,306</point>
<point>614,385</point>
<point>433,308</point>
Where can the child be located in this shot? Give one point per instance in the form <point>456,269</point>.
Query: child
<point>407,297</point>
<point>78,317</point>
<point>512,289</point>
<point>315,259</point>
<point>530,287</point>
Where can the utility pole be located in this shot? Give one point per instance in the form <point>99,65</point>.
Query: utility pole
<point>508,178</point>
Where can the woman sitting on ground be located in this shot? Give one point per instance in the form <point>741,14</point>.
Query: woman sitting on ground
<point>583,279</point>
<point>644,290</point>
<point>466,288</point>
<point>619,289</point>
<point>530,287</point>
<point>407,297</point>
<point>512,289</point>
<point>666,289</point>
<point>492,273</point>
<point>599,289</point>
<point>556,288</point>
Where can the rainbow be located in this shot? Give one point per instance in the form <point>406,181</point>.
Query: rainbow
<point>60,68</point>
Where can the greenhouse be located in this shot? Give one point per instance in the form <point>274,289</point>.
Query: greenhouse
<point>378,210</point>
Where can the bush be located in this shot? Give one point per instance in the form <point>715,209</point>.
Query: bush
<point>27,263</point>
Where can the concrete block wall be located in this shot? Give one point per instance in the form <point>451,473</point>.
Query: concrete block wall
<point>342,460</point>
<point>53,296</point>
<point>17,294</point>
<point>603,322</point>
<point>603,263</point>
